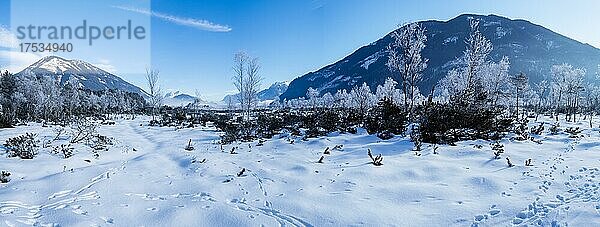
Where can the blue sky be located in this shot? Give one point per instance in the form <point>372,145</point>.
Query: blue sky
<point>192,43</point>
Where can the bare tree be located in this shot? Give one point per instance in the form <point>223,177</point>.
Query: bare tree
<point>154,90</point>
<point>253,81</point>
<point>247,81</point>
<point>239,80</point>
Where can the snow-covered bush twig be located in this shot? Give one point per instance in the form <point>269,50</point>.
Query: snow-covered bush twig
<point>376,160</point>
<point>189,146</point>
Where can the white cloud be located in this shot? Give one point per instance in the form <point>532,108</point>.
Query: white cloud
<point>7,38</point>
<point>105,65</point>
<point>15,61</point>
<point>10,58</point>
<point>191,22</point>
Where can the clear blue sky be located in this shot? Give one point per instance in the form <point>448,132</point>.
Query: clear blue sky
<point>294,37</point>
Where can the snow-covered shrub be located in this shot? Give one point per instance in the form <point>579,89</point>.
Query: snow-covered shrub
<point>385,135</point>
<point>189,146</point>
<point>23,146</point>
<point>241,173</point>
<point>554,128</point>
<point>100,142</point>
<point>66,150</point>
<point>386,116</point>
<point>375,160</point>
<point>509,163</point>
<point>321,159</point>
<point>4,177</point>
<point>520,130</point>
<point>497,148</point>
<point>448,123</point>
<point>537,130</point>
<point>573,131</point>
<point>415,137</point>
<point>327,151</point>
<point>83,130</point>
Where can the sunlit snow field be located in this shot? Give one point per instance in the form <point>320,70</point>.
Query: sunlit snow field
<point>147,179</point>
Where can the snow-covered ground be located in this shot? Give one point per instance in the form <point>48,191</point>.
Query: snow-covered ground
<point>148,179</point>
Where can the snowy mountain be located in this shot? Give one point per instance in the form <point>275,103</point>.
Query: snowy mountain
<point>531,48</point>
<point>88,75</point>
<point>176,98</point>
<point>269,94</point>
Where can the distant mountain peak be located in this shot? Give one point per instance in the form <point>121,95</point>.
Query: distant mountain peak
<point>269,94</point>
<point>59,65</point>
<point>89,76</point>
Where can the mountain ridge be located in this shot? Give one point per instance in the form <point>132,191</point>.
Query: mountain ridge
<point>531,48</point>
<point>89,76</point>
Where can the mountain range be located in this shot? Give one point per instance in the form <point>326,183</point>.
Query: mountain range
<point>266,95</point>
<point>89,76</point>
<point>532,49</point>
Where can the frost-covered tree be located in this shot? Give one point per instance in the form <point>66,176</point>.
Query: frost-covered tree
<point>70,92</point>
<point>247,81</point>
<point>386,90</point>
<point>519,83</point>
<point>313,97</point>
<point>342,99</point>
<point>154,90</point>
<point>362,98</point>
<point>240,60</point>
<point>466,84</point>
<point>495,79</point>
<point>567,85</point>
<point>253,82</point>
<point>542,90</point>
<point>327,100</point>
<point>405,60</point>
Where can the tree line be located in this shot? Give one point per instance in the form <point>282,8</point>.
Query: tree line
<point>43,98</point>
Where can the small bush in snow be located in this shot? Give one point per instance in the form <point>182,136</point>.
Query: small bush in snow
<point>528,162</point>
<point>83,130</point>
<point>189,146</point>
<point>574,131</point>
<point>497,148</point>
<point>554,128</point>
<point>376,160</point>
<point>385,135</point>
<point>321,159</point>
<point>241,173</point>
<point>509,163</point>
<point>537,130</point>
<point>66,150</point>
<point>327,151</point>
<point>4,177</point>
<point>100,142</point>
<point>520,129</point>
<point>23,146</point>
<point>415,137</point>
